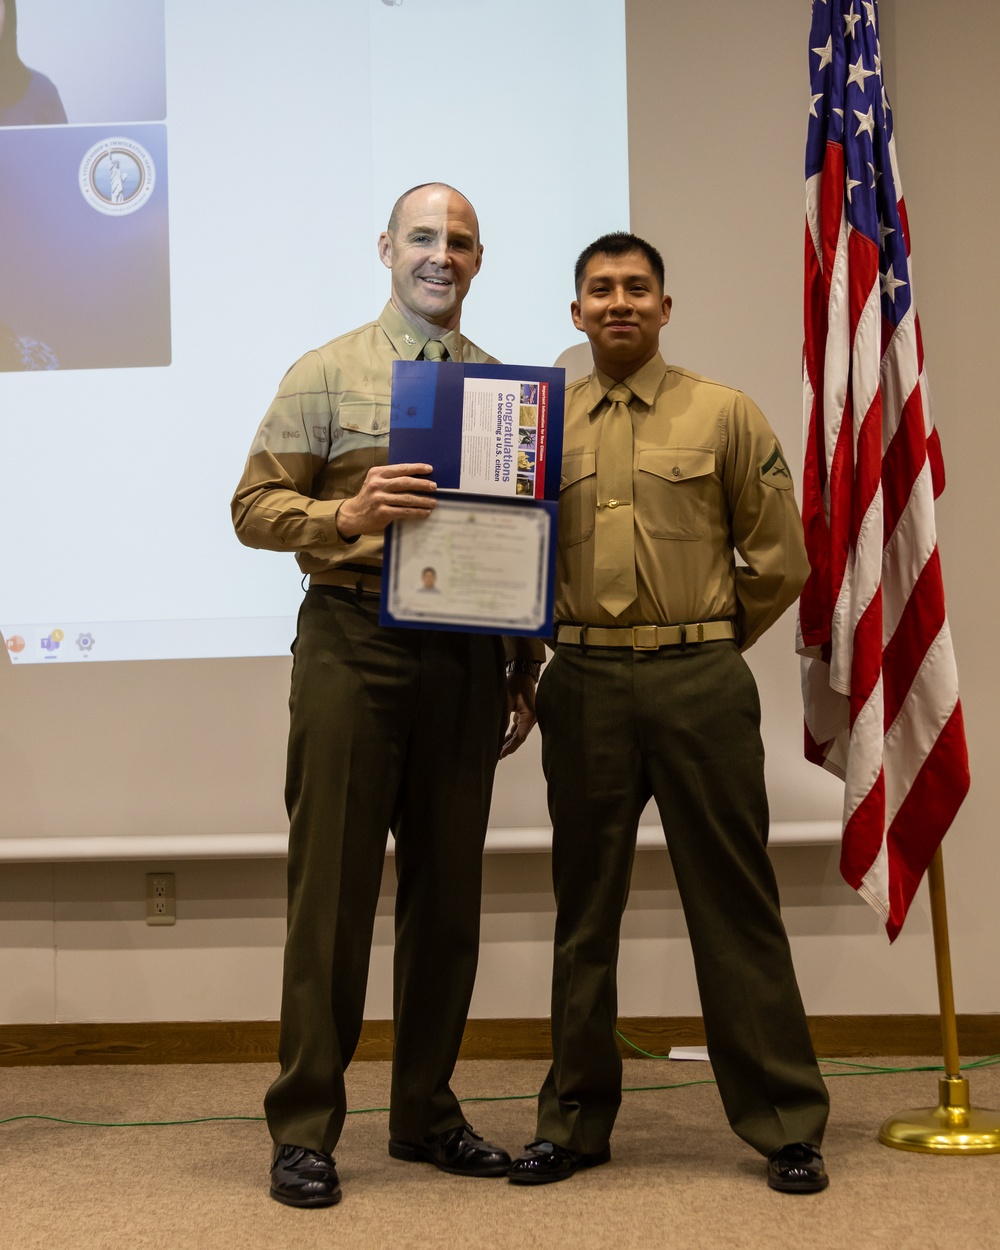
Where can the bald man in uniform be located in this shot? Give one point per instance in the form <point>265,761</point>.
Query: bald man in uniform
<point>390,728</point>
<point>666,476</point>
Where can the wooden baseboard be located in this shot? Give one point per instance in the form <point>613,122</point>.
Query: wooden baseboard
<point>256,1041</point>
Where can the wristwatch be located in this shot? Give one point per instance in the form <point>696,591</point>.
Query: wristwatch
<point>531,667</point>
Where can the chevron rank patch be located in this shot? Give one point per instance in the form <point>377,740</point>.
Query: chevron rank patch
<point>775,471</point>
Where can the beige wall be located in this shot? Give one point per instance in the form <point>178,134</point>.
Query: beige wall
<point>947,93</point>
<point>717,119</point>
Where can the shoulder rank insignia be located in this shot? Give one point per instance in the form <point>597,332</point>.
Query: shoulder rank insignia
<point>775,471</point>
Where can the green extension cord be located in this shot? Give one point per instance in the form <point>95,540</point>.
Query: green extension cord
<point>858,1069</point>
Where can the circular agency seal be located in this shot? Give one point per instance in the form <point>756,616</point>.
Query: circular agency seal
<point>117,176</point>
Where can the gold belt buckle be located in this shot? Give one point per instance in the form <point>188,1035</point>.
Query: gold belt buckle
<point>638,644</point>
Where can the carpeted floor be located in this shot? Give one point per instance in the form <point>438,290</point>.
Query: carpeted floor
<point>678,1178</point>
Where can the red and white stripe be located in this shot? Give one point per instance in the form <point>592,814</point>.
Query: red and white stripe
<point>879,682</point>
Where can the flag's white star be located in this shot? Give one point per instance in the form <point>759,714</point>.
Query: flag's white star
<point>857,73</point>
<point>876,173</point>
<point>851,184</point>
<point>866,121</point>
<point>825,53</point>
<point>889,283</point>
<point>812,103</point>
<point>878,65</point>
<point>886,106</point>
<point>869,6</point>
<point>884,231</point>
<point>839,112</point>
<point>851,20</point>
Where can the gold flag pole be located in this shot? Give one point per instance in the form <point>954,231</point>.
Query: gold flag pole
<point>953,1127</point>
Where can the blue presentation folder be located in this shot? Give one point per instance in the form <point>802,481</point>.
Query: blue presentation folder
<point>493,435</point>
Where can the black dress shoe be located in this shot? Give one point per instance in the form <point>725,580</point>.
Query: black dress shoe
<point>460,1151</point>
<point>544,1161</point>
<point>304,1178</point>
<point>797,1169</point>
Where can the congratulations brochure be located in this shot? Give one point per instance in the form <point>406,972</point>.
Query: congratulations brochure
<point>486,429</point>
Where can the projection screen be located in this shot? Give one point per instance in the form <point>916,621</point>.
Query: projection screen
<point>206,213</point>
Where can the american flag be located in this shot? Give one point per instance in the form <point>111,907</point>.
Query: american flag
<point>879,683</point>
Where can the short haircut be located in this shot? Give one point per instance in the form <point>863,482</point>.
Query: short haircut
<point>397,208</point>
<point>619,243</point>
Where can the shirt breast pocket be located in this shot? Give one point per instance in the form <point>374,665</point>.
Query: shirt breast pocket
<point>673,492</point>
<point>577,497</point>
<point>362,427</point>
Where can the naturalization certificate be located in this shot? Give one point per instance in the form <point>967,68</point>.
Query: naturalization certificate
<point>475,564</point>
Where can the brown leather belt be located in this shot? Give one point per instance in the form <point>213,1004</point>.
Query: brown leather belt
<point>644,637</point>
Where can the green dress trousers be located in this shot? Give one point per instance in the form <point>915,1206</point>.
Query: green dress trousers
<point>681,725</point>
<point>390,729</point>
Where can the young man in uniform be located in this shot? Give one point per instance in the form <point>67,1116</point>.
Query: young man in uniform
<point>666,476</point>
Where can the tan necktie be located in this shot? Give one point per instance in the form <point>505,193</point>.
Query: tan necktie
<point>614,540</point>
<point>434,349</point>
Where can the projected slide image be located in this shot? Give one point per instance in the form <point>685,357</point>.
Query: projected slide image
<point>291,130</point>
<point>81,61</point>
<point>84,275</point>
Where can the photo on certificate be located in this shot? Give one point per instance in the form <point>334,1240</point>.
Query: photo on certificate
<point>475,564</point>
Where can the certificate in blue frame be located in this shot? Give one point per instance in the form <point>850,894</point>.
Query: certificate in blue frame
<point>478,564</point>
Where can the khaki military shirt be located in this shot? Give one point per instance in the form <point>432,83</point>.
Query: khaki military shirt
<point>327,426</point>
<point>708,477</point>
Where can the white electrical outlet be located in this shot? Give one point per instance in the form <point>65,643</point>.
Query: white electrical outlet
<point>160,898</point>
